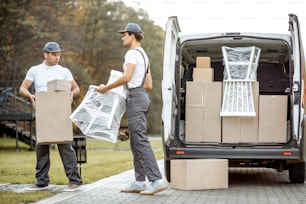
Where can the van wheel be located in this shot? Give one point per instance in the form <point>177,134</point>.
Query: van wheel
<point>167,169</point>
<point>297,172</point>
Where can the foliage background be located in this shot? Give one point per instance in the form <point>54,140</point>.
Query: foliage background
<point>87,31</point>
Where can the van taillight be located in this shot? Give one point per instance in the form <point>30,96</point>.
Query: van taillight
<point>287,153</point>
<point>180,152</point>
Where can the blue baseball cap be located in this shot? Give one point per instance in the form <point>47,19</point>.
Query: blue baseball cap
<point>52,47</point>
<point>132,27</point>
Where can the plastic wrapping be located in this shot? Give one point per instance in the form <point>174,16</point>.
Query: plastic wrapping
<point>99,115</point>
<point>240,63</point>
<point>240,72</point>
<point>121,90</point>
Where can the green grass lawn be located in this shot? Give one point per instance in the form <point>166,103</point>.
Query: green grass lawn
<point>104,159</point>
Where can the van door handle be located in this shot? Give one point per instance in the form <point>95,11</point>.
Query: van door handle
<point>296,86</point>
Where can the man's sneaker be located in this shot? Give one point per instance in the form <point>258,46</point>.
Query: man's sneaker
<point>72,187</point>
<point>135,187</point>
<point>36,187</point>
<point>155,187</point>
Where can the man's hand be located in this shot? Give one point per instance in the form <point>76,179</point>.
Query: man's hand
<point>33,100</point>
<point>102,88</point>
<point>71,97</point>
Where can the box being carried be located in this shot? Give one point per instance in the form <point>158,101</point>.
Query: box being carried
<point>52,117</point>
<point>59,85</point>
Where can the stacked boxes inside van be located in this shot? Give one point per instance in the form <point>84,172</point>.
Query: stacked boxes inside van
<point>203,104</point>
<point>272,118</point>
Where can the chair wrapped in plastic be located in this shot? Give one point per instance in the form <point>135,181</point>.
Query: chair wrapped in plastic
<point>99,115</point>
<point>239,72</point>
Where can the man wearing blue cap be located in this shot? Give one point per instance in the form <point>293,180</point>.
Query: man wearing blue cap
<point>137,78</point>
<point>40,75</point>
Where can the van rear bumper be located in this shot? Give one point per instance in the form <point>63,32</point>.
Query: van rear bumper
<point>233,153</point>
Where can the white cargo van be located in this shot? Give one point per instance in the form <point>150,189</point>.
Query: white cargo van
<point>192,124</point>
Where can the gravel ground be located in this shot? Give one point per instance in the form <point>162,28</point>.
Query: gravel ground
<point>22,188</point>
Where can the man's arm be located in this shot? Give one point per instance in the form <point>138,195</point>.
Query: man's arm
<point>24,91</point>
<point>75,90</point>
<point>125,78</point>
<point>148,82</point>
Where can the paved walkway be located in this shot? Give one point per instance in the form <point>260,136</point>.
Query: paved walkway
<point>255,186</point>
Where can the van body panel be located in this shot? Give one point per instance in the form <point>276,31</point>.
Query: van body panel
<point>298,88</point>
<point>168,82</point>
<point>234,153</point>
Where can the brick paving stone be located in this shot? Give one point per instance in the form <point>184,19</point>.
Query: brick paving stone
<point>246,186</point>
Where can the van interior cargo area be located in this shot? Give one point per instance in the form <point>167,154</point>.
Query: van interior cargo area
<point>273,71</point>
<point>273,67</point>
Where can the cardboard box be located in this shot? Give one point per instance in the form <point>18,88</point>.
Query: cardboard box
<point>52,117</point>
<point>242,129</point>
<point>59,85</point>
<point>203,62</point>
<point>203,75</point>
<point>199,174</point>
<point>203,105</point>
<point>273,118</point>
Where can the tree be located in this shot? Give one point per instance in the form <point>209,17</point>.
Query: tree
<point>86,30</point>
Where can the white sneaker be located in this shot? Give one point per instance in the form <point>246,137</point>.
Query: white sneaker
<point>35,187</point>
<point>135,187</point>
<point>72,187</point>
<point>155,187</point>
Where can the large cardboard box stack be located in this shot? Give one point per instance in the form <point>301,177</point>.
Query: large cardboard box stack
<point>203,71</point>
<point>242,129</point>
<point>273,118</point>
<point>199,174</point>
<point>203,104</point>
<point>53,109</point>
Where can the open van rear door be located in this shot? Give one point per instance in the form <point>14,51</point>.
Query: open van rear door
<point>168,81</point>
<point>298,86</point>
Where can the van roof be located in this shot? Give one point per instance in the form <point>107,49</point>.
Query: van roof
<point>279,36</point>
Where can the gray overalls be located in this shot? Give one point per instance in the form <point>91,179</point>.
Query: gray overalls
<point>137,106</point>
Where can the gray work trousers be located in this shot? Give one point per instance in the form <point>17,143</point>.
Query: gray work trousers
<point>145,164</point>
<point>69,160</point>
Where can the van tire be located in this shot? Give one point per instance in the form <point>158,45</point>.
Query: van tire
<point>297,172</point>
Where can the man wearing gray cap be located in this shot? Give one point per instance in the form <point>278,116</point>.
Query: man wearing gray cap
<point>40,75</point>
<point>137,78</point>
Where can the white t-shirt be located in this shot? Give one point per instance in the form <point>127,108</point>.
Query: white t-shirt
<point>133,56</point>
<point>42,73</point>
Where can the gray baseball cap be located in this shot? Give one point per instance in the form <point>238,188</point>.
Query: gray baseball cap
<point>52,47</point>
<point>132,27</point>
